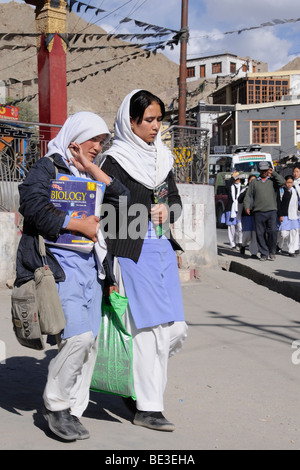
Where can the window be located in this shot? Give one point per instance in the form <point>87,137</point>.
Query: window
<point>217,67</point>
<point>202,71</point>
<point>265,90</point>
<point>265,132</point>
<point>232,67</point>
<point>190,72</point>
<point>227,134</point>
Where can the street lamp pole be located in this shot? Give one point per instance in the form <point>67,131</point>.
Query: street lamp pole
<point>182,68</point>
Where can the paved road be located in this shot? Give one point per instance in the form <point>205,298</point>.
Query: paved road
<point>233,386</point>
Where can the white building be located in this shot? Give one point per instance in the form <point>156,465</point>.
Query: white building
<point>2,92</point>
<point>223,65</point>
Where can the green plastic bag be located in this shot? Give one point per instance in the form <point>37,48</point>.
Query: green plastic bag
<point>113,368</point>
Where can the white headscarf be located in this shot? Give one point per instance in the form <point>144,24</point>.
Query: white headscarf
<point>79,127</point>
<point>147,164</point>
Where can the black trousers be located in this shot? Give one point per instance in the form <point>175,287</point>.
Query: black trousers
<point>266,232</point>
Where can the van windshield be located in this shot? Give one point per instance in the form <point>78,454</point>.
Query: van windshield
<point>249,167</point>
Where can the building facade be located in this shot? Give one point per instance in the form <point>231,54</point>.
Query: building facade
<point>265,111</point>
<point>259,88</point>
<point>274,126</point>
<point>224,65</point>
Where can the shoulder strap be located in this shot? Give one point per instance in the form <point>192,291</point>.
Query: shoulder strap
<point>42,247</point>
<point>52,160</point>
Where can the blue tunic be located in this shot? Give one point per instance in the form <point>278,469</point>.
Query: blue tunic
<point>80,293</point>
<point>228,220</point>
<point>152,285</point>
<point>248,223</point>
<point>288,224</point>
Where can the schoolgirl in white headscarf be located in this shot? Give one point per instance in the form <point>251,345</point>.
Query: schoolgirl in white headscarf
<point>66,393</point>
<point>79,128</point>
<point>145,262</point>
<point>147,164</point>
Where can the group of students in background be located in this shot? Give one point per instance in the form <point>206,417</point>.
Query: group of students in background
<point>265,214</point>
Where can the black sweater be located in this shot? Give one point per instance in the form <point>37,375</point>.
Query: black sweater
<point>283,202</point>
<point>120,242</point>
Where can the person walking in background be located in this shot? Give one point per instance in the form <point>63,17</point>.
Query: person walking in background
<point>79,276</point>
<point>288,227</point>
<point>248,224</point>
<point>145,262</point>
<point>230,215</point>
<point>262,197</point>
<point>296,174</point>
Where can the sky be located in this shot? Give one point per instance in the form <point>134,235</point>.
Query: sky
<point>214,25</point>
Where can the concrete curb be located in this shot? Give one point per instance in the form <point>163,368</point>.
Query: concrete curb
<point>286,288</point>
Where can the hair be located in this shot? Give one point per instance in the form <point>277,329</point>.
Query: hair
<point>297,166</point>
<point>289,177</point>
<point>139,103</point>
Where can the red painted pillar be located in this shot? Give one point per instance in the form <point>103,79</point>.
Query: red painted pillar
<point>52,80</point>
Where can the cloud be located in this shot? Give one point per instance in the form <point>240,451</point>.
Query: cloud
<point>275,45</point>
<point>261,44</point>
<point>241,13</point>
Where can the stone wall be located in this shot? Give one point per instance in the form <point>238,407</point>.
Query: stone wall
<point>195,231</point>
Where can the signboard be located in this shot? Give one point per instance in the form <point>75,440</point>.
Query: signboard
<point>9,113</point>
<point>251,157</point>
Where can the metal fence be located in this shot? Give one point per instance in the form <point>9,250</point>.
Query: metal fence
<point>190,147</point>
<point>22,144</point>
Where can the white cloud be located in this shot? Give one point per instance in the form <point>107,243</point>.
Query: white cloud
<point>275,45</point>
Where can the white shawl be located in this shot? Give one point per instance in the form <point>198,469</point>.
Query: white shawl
<point>81,127</point>
<point>293,205</point>
<point>297,186</point>
<point>235,192</point>
<point>147,164</point>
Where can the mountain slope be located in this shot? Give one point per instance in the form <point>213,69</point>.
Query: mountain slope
<point>101,93</point>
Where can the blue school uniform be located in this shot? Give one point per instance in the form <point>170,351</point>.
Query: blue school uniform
<point>152,284</point>
<point>81,293</point>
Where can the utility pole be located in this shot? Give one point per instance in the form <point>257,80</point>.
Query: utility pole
<point>182,69</point>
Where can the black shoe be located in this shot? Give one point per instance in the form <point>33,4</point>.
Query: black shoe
<point>153,420</point>
<point>292,255</point>
<point>278,250</point>
<point>242,250</point>
<point>61,424</point>
<point>82,431</point>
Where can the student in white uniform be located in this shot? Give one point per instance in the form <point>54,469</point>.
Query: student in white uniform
<point>145,261</point>
<point>231,215</point>
<point>288,226</point>
<point>296,174</point>
<point>79,276</point>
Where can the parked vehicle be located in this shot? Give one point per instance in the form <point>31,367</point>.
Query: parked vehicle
<point>247,160</point>
<point>243,159</point>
